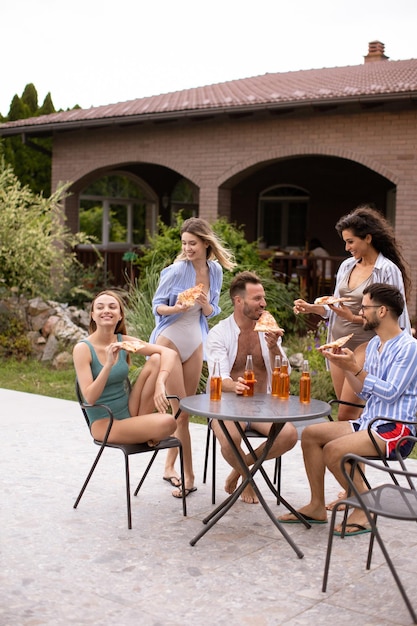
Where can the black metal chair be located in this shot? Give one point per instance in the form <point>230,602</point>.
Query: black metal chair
<point>128,449</point>
<point>394,501</point>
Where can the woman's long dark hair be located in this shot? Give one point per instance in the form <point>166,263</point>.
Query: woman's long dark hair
<point>364,221</point>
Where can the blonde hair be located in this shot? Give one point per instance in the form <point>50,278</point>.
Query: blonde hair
<point>215,249</point>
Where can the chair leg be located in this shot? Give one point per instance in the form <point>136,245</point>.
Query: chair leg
<point>87,480</point>
<point>329,548</point>
<point>184,501</point>
<point>395,575</point>
<point>129,505</point>
<point>206,455</point>
<point>213,469</point>
<point>277,477</point>
<point>146,472</point>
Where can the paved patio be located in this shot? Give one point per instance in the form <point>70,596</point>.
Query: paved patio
<point>61,566</point>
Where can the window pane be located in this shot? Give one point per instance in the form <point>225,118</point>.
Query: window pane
<point>297,214</point>
<point>271,212</point>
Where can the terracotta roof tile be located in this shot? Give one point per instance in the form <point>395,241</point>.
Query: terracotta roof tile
<point>341,83</point>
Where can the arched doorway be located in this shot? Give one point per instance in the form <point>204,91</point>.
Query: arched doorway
<point>282,217</point>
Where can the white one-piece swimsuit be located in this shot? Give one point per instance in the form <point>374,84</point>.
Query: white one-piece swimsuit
<point>185,332</point>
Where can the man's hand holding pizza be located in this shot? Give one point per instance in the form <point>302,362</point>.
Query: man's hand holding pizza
<point>271,338</point>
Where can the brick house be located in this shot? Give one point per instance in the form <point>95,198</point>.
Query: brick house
<point>283,154</point>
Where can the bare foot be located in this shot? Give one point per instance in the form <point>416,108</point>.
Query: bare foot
<point>340,496</point>
<point>249,496</point>
<point>231,482</point>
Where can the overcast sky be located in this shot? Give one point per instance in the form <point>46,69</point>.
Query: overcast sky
<point>93,52</point>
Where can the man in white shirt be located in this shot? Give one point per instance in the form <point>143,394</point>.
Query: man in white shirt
<point>229,342</point>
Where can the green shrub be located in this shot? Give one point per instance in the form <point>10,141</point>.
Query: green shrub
<point>35,245</point>
<point>321,382</point>
<point>13,340</point>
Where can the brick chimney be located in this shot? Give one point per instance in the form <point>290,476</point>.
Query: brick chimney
<point>376,51</point>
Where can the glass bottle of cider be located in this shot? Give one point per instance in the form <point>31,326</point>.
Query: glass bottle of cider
<point>284,381</point>
<point>216,382</point>
<point>275,376</point>
<point>249,376</point>
<point>305,384</point>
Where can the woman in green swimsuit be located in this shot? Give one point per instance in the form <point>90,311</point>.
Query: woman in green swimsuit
<point>102,369</point>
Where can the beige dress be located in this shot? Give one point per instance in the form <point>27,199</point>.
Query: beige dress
<point>341,326</point>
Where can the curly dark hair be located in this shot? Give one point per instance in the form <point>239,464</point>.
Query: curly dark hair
<point>365,220</point>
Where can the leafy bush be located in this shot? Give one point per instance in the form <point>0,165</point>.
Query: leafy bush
<point>321,382</point>
<point>35,245</point>
<point>13,340</point>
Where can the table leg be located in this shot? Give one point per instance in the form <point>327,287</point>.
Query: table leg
<point>273,434</point>
<point>248,477</point>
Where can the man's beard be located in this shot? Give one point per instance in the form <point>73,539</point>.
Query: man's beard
<point>251,313</point>
<point>371,325</point>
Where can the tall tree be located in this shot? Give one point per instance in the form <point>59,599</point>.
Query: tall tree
<point>30,162</point>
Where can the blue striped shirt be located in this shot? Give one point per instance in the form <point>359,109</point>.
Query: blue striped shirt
<point>390,387</point>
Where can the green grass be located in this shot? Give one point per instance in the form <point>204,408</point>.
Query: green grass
<point>32,376</point>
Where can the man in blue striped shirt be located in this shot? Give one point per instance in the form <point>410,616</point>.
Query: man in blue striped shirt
<point>388,384</point>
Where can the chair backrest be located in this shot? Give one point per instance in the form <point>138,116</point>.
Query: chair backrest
<point>81,403</point>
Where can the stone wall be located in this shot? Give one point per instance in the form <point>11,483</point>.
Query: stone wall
<point>53,328</point>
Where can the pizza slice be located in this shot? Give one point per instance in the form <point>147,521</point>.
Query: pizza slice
<point>132,345</point>
<point>266,323</point>
<point>189,296</point>
<point>330,300</point>
<point>337,343</point>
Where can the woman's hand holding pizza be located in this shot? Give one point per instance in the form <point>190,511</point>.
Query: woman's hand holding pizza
<point>301,306</point>
<point>181,307</point>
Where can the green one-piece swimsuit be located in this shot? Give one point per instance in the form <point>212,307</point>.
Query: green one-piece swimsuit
<point>115,394</point>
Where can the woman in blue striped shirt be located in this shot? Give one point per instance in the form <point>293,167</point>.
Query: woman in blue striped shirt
<point>184,328</point>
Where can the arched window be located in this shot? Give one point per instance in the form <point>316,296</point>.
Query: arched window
<point>116,210</point>
<point>282,217</point>
<point>185,198</point>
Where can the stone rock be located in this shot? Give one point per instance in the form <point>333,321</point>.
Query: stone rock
<point>38,321</point>
<point>62,360</point>
<point>80,317</point>
<point>51,348</point>
<point>296,360</point>
<point>52,327</point>
<point>37,306</point>
<point>49,325</point>
<point>67,332</point>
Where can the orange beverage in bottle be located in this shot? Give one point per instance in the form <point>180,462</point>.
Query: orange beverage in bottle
<point>215,388</point>
<point>249,377</point>
<point>275,376</point>
<point>284,381</point>
<point>216,383</point>
<point>305,384</point>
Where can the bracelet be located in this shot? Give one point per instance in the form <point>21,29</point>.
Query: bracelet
<point>357,373</point>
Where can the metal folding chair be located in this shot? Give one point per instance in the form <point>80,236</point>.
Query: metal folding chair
<point>128,450</point>
<point>391,500</point>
